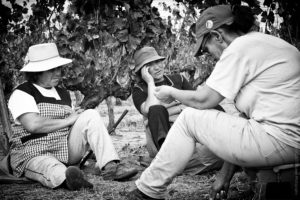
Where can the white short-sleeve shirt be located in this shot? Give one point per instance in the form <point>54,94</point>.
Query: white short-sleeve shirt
<point>261,73</point>
<point>21,102</point>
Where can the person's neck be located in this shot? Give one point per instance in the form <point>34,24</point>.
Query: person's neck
<point>159,80</point>
<point>44,86</point>
<point>231,37</point>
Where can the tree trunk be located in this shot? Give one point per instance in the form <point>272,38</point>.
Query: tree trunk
<point>111,116</point>
<point>118,102</point>
<point>6,134</point>
<point>78,97</point>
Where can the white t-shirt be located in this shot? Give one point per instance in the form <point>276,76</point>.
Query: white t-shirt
<point>261,73</point>
<point>21,102</point>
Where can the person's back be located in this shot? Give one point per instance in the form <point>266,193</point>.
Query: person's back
<point>266,97</point>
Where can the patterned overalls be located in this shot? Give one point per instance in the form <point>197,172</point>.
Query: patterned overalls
<point>25,145</point>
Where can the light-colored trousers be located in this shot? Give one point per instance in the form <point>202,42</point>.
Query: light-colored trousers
<point>234,139</point>
<point>88,132</point>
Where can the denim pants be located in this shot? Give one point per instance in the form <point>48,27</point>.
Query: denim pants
<point>237,140</point>
<point>88,132</point>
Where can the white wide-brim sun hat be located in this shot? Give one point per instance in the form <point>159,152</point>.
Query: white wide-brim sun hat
<point>43,57</point>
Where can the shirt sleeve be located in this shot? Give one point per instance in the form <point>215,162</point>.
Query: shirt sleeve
<point>138,97</point>
<point>229,75</point>
<point>20,103</point>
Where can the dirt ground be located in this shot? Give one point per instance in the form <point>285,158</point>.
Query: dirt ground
<point>129,141</point>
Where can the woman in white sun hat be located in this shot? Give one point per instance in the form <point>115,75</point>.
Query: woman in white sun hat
<point>261,74</point>
<point>48,136</point>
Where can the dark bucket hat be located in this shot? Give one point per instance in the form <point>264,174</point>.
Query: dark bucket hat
<point>145,55</point>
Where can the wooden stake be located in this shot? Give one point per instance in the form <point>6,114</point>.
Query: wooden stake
<point>4,143</point>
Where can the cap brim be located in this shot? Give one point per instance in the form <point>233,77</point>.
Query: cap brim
<point>45,65</point>
<point>197,49</point>
<point>154,58</point>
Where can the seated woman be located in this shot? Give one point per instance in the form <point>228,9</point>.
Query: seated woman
<point>262,74</point>
<point>149,69</point>
<point>48,136</point>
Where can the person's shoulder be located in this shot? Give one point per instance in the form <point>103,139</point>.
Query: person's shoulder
<point>61,89</point>
<point>242,45</point>
<point>63,93</point>
<point>175,77</point>
<point>250,39</point>
<point>25,87</point>
<point>140,86</point>
<point>22,91</point>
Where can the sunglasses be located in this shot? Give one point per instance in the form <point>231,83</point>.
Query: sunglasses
<point>203,48</point>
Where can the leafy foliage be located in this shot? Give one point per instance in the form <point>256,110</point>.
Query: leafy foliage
<point>102,41</point>
<point>17,34</point>
<point>289,27</point>
<point>102,36</point>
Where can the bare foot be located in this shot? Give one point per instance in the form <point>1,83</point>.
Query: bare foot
<point>219,188</point>
<point>221,185</point>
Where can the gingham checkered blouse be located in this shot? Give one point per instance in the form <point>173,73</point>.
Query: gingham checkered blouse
<point>25,145</point>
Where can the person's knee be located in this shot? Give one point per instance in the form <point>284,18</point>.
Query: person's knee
<point>190,115</point>
<point>187,112</point>
<point>91,114</point>
<point>156,109</point>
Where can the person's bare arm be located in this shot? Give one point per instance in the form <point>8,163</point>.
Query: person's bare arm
<point>34,123</point>
<point>203,98</point>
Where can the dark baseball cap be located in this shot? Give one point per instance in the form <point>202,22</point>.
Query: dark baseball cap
<point>212,18</point>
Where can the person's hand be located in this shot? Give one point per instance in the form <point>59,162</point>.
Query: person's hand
<point>171,104</point>
<point>146,76</point>
<point>163,93</point>
<point>74,116</point>
<point>78,108</point>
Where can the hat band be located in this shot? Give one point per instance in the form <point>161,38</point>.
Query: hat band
<point>44,59</point>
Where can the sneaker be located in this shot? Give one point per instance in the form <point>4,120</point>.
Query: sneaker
<point>136,194</point>
<point>118,172</point>
<point>75,179</point>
